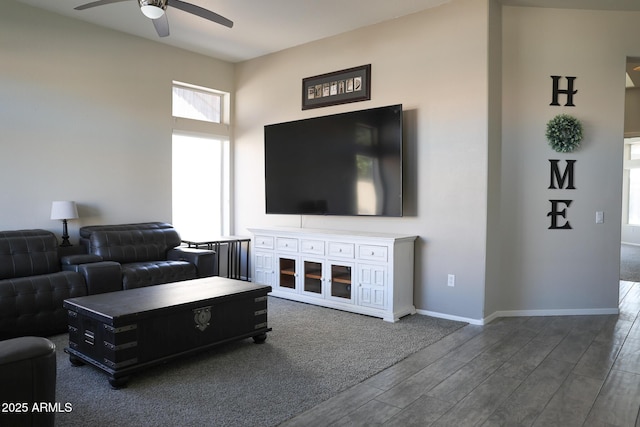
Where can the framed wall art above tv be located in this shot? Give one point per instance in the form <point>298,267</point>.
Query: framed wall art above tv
<point>339,87</point>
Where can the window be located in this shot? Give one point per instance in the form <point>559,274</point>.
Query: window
<point>200,186</point>
<point>196,103</point>
<point>632,180</point>
<point>200,162</point>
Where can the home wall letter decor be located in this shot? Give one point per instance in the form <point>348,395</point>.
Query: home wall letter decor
<point>567,176</point>
<point>556,211</point>
<point>564,133</point>
<point>562,180</point>
<point>568,91</point>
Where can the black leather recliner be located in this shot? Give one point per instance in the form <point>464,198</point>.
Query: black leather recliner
<point>28,378</point>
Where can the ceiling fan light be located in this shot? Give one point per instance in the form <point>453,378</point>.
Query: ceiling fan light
<point>152,12</point>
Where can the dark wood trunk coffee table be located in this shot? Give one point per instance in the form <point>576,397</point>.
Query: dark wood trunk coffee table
<point>126,331</point>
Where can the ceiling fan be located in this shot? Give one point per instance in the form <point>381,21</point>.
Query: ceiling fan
<point>155,10</point>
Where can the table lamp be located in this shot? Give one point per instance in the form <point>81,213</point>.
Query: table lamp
<point>64,210</point>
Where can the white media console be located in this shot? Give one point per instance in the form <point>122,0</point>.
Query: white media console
<point>361,272</point>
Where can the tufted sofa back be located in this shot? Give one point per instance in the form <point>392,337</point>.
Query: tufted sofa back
<point>126,246</point>
<point>24,233</point>
<point>28,253</point>
<point>86,231</point>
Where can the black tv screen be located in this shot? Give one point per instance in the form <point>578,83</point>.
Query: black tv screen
<point>342,164</point>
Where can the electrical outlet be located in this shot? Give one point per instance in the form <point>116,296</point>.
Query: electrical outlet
<point>451,280</point>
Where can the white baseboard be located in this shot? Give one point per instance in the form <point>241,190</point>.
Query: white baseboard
<point>524,313</point>
<point>557,312</point>
<point>450,317</point>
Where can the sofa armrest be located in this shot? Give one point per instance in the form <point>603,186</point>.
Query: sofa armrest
<point>72,262</point>
<point>204,260</point>
<point>101,277</point>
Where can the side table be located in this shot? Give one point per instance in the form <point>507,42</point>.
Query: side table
<point>235,266</point>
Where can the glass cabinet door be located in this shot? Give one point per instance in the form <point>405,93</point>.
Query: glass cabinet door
<point>287,273</point>
<point>312,277</point>
<point>341,282</point>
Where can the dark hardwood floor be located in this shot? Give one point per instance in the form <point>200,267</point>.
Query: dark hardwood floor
<point>519,371</point>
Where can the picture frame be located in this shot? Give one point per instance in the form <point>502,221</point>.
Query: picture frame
<point>338,87</point>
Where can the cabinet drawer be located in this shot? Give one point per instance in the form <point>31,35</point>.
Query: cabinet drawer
<point>372,252</point>
<point>342,250</point>
<point>287,244</point>
<point>264,242</point>
<point>315,247</point>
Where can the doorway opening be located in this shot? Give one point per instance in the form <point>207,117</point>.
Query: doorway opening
<point>630,235</point>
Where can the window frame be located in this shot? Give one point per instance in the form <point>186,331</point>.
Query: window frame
<point>203,90</point>
<point>211,130</point>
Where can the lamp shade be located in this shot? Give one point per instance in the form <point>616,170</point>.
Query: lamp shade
<point>64,210</point>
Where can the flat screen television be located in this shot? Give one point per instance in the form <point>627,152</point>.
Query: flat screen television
<point>342,164</point>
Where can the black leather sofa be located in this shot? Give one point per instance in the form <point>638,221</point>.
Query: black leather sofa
<point>138,255</point>
<point>33,285</point>
<point>35,279</point>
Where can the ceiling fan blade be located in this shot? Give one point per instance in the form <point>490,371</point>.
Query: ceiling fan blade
<point>97,3</point>
<point>199,11</point>
<point>162,25</point>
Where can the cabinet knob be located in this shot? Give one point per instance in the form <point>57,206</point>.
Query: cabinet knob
<point>340,250</point>
<point>373,253</point>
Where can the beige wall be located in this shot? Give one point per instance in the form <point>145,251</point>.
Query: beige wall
<point>439,72</point>
<point>86,116</point>
<point>493,281</point>
<point>563,270</point>
<point>478,163</point>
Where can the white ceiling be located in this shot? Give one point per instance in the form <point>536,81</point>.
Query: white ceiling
<point>266,26</point>
<point>260,26</point>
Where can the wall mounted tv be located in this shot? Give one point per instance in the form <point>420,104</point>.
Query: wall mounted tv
<point>342,164</point>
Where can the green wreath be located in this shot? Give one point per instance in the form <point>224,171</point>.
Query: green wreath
<point>564,133</point>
